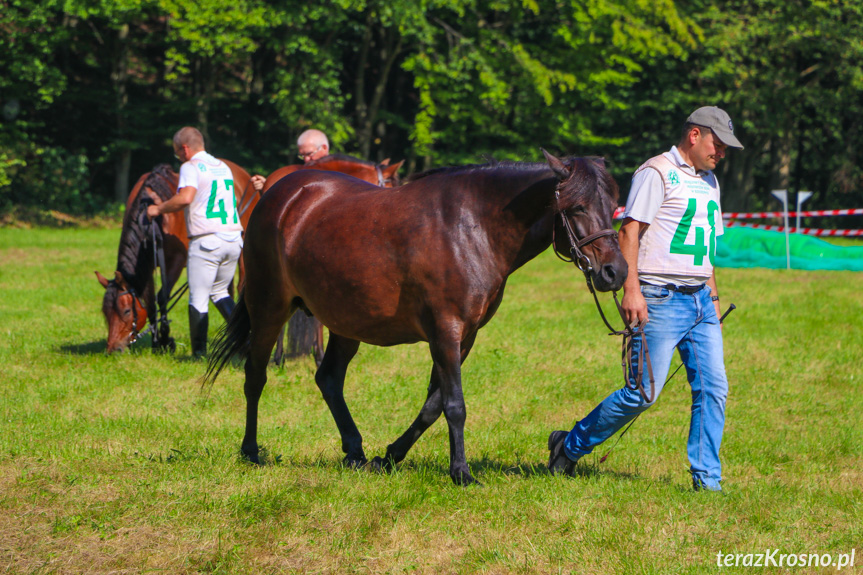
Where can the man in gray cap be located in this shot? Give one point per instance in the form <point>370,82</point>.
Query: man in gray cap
<point>668,238</point>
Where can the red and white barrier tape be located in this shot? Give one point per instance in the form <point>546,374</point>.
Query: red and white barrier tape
<point>809,214</point>
<point>805,231</point>
<point>753,215</point>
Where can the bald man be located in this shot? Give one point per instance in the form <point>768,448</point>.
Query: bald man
<point>206,193</point>
<point>312,145</point>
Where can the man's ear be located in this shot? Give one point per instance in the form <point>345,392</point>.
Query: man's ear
<point>556,165</point>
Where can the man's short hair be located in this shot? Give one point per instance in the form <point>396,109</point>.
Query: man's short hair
<point>318,137</point>
<point>687,127</point>
<point>189,136</point>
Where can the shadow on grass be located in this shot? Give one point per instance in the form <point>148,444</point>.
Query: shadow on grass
<point>90,348</point>
<point>100,347</point>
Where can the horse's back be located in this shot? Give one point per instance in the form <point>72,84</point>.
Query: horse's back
<point>364,259</point>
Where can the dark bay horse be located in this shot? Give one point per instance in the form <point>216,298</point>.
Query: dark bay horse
<point>129,300</point>
<point>306,332</point>
<point>427,261</point>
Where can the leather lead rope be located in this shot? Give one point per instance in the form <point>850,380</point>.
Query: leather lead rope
<point>629,333</point>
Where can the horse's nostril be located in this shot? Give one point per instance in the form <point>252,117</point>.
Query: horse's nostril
<point>608,273</point>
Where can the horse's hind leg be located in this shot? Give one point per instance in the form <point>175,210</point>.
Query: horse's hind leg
<point>330,378</point>
<point>265,328</point>
<point>431,410</point>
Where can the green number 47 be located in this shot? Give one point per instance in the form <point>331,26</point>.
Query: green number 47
<point>698,249</point>
<point>221,213</point>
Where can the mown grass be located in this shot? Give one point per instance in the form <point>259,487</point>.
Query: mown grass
<point>122,464</point>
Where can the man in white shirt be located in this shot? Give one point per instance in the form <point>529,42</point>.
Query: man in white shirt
<point>668,238</point>
<point>206,193</point>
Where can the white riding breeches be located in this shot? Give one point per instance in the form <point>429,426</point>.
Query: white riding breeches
<point>212,263</point>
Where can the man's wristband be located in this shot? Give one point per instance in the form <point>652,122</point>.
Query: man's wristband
<point>714,298</point>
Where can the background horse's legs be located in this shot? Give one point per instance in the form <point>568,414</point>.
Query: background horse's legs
<point>429,413</point>
<point>279,355</point>
<point>264,331</point>
<point>330,378</point>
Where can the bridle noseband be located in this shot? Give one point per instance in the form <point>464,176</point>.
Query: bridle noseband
<point>575,244</point>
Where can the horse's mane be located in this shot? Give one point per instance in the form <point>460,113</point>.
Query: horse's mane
<point>136,227</point>
<point>340,157</point>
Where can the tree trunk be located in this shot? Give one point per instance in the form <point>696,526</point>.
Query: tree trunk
<point>119,77</point>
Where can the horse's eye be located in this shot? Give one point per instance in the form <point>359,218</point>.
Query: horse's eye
<point>577,210</point>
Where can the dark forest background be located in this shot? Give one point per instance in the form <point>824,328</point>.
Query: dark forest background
<point>91,91</point>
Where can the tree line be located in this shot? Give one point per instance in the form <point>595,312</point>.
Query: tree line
<point>92,90</point>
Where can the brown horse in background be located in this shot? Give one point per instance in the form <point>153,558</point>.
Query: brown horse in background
<point>304,332</point>
<point>129,299</point>
<point>427,261</point>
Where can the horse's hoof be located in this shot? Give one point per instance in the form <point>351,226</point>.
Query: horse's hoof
<point>355,462</point>
<point>382,464</point>
<point>464,479</point>
<point>251,457</point>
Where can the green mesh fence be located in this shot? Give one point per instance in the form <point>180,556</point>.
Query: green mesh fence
<point>751,248</point>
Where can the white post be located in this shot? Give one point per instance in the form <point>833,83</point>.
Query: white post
<point>782,195</point>
<point>801,197</point>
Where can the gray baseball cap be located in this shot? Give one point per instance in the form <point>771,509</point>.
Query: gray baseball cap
<point>717,120</point>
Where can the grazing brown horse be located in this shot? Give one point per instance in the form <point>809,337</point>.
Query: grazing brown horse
<point>427,261</point>
<point>129,296</point>
<point>306,332</point>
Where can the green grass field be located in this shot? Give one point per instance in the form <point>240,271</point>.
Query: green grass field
<point>122,465</point>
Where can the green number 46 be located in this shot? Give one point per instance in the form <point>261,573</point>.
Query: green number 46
<point>221,213</point>
<point>697,249</point>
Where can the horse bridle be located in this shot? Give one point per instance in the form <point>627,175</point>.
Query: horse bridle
<point>135,300</point>
<point>629,333</point>
<point>381,180</point>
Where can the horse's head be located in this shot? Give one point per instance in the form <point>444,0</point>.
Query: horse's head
<point>123,311</point>
<point>586,198</point>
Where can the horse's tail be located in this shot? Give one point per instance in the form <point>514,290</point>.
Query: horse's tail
<point>231,340</point>
<point>302,336</point>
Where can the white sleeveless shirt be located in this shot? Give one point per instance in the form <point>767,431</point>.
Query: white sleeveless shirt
<point>679,245</point>
<point>214,208</point>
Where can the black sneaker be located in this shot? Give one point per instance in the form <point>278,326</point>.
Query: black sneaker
<point>558,462</point>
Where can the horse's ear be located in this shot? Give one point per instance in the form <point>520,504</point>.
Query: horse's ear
<point>390,171</point>
<point>599,161</point>
<point>385,162</point>
<point>102,280</point>
<point>121,281</point>
<point>556,165</point>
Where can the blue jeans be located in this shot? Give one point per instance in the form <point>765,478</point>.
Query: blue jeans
<point>672,316</point>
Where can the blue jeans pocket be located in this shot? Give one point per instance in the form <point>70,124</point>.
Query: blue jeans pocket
<point>655,294</point>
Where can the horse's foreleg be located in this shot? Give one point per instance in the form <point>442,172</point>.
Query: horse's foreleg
<point>447,355</point>
<point>429,413</point>
<point>330,378</point>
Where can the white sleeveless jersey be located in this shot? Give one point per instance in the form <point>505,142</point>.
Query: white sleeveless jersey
<point>681,239</point>
<point>214,207</point>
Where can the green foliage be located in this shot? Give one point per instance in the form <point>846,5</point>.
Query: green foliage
<point>438,82</point>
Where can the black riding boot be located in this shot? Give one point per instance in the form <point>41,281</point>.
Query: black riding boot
<point>198,325</point>
<point>225,307</point>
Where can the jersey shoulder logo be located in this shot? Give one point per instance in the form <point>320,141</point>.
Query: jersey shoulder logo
<point>673,178</point>
<point>202,167</point>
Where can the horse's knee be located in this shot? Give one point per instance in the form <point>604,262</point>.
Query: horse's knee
<point>455,412</point>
